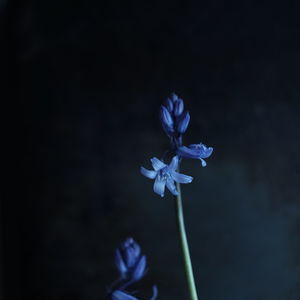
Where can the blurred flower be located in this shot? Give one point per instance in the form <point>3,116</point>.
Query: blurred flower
<point>165,175</point>
<point>132,266</point>
<point>130,263</point>
<point>196,151</point>
<point>120,295</point>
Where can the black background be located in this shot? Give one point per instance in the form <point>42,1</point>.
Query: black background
<point>80,115</point>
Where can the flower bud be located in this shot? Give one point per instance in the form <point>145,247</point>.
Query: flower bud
<point>178,107</point>
<point>169,105</point>
<point>140,267</point>
<point>166,119</point>
<point>174,97</point>
<point>183,123</point>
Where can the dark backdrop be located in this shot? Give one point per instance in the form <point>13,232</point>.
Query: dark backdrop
<point>86,82</point>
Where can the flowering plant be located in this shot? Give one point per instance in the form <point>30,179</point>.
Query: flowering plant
<point>131,264</point>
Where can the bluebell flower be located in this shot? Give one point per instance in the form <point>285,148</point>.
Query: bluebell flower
<point>174,119</point>
<point>132,267</point>
<point>121,295</point>
<point>129,261</point>
<point>165,175</point>
<point>196,151</point>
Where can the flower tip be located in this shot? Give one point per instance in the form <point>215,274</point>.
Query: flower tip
<point>155,292</point>
<point>147,173</point>
<point>190,179</point>
<point>173,97</point>
<point>178,107</point>
<point>203,162</point>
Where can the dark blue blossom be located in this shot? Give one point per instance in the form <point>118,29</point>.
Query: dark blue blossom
<point>174,119</point>
<point>132,267</point>
<point>130,263</point>
<point>165,175</point>
<point>196,151</point>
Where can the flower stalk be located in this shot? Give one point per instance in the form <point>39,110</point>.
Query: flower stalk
<point>184,245</point>
<point>175,122</point>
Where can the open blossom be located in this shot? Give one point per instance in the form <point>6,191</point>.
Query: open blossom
<point>196,151</point>
<point>165,175</point>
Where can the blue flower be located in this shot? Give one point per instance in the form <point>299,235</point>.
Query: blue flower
<point>196,151</point>
<point>132,267</point>
<point>130,263</point>
<point>121,295</point>
<point>165,175</point>
<point>174,119</point>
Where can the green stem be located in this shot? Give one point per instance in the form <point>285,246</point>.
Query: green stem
<point>185,246</point>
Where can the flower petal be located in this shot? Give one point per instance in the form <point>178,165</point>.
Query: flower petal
<point>174,97</point>
<point>203,162</point>
<point>178,107</point>
<point>157,164</point>
<point>181,178</point>
<point>130,258</point>
<point>188,152</point>
<point>206,151</point>
<point>171,186</point>
<point>139,269</point>
<point>174,163</point>
<point>159,186</point>
<point>137,248</point>
<point>155,292</point>
<point>148,173</point>
<point>183,123</point>
<point>119,295</point>
<point>169,105</point>
<point>166,118</point>
<point>120,262</point>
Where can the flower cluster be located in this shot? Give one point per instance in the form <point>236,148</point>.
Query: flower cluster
<point>175,122</point>
<point>174,119</point>
<point>131,265</point>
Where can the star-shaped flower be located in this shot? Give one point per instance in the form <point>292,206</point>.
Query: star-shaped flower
<point>165,175</point>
